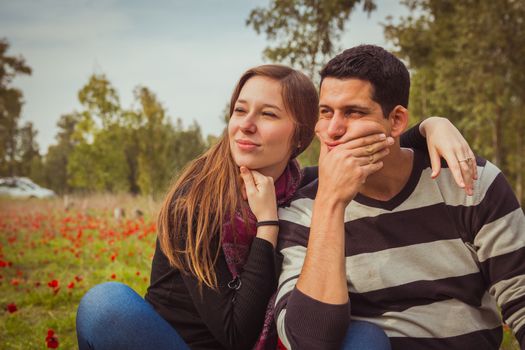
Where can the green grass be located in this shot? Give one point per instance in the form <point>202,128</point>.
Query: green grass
<point>70,247</point>
<point>44,242</point>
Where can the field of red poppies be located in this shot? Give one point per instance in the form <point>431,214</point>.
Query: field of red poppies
<point>52,253</point>
<point>49,257</point>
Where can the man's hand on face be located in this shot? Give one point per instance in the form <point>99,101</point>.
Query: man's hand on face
<point>345,164</point>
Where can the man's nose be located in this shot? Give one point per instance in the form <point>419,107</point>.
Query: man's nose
<point>337,127</point>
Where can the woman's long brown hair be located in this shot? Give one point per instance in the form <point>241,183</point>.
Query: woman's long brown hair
<point>208,191</point>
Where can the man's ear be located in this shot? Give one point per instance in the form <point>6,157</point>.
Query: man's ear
<point>398,120</point>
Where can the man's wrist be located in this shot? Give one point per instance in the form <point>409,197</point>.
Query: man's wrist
<point>330,200</point>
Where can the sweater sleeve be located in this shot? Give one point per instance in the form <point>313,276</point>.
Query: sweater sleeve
<point>412,138</point>
<point>235,312</point>
<point>497,225</point>
<point>303,322</point>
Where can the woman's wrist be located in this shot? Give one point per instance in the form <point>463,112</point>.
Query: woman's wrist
<point>270,216</point>
<point>268,233</point>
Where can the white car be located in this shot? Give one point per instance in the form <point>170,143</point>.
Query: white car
<point>22,187</point>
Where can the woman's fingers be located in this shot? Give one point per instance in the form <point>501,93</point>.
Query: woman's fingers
<point>468,168</point>
<point>435,162</point>
<point>248,180</point>
<point>474,164</point>
<point>261,182</point>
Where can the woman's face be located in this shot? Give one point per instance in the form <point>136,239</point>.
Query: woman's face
<point>260,129</point>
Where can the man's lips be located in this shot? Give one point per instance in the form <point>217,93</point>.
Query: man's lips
<point>332,144</point>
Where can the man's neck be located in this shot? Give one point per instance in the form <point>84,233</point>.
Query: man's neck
<point>390,180</point>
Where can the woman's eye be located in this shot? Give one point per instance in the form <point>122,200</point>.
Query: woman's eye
<point>269,114</point>
<point>239,110</point>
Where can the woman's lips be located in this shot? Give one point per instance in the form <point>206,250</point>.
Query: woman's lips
<point>246,145</point>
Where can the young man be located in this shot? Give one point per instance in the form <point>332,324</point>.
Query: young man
<point>385,242</point>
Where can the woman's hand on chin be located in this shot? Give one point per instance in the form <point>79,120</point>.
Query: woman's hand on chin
<point>260,193</point>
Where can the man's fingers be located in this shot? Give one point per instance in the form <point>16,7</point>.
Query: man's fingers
<point>370,169</point>
<point>323,151</point>
<point>365,141</point>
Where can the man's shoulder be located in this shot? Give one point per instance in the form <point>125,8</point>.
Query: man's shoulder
<point>309,184</point>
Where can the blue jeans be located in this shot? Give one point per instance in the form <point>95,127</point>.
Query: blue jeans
<point>113,316</point>
<point>363,335</point>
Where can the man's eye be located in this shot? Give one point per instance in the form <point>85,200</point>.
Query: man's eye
<point>324,113</point>
<point>356,114</point>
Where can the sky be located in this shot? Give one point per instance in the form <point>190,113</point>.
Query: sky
<point>189,53</point>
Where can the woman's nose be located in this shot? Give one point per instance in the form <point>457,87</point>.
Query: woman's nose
<point>248,124</point>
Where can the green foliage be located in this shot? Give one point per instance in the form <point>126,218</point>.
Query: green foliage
<point>467,64</point>
<point>305,30</point>
<point>310,156</point>
<point>10,108</point>
<point>107,148</point>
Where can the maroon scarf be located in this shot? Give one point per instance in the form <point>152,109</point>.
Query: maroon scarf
<point>236,247</point>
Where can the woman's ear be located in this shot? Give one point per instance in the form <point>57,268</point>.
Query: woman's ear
<point>398,120</point>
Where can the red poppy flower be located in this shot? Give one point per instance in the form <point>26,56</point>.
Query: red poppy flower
<point>71,285</point>
<point>137,273</point>
<point>11,308</point>
<point>78,278</point>
<point>113,276</point>
<point>51,340</point>
<point>53,284</point>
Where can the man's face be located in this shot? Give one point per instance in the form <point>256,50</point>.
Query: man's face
<point>347,111</point>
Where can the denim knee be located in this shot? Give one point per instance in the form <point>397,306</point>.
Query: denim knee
<point>365,335</point>
<point>103,304</point>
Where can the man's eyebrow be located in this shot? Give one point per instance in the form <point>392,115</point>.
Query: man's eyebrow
<point>357,107</point>
<point>353,107</point>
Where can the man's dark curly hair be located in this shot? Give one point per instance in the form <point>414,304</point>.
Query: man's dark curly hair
<point>388,75</point>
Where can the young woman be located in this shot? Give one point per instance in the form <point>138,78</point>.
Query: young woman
<point>215,269</point>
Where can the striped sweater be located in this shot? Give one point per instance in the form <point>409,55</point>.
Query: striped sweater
<point>432,266</point>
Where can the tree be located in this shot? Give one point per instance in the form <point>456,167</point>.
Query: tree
<point>98,160</point>
<point>10,107</point>
<point>470,68</point>
<point>57,158</point>
<point>305,30</point>
<point>28,152</point>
